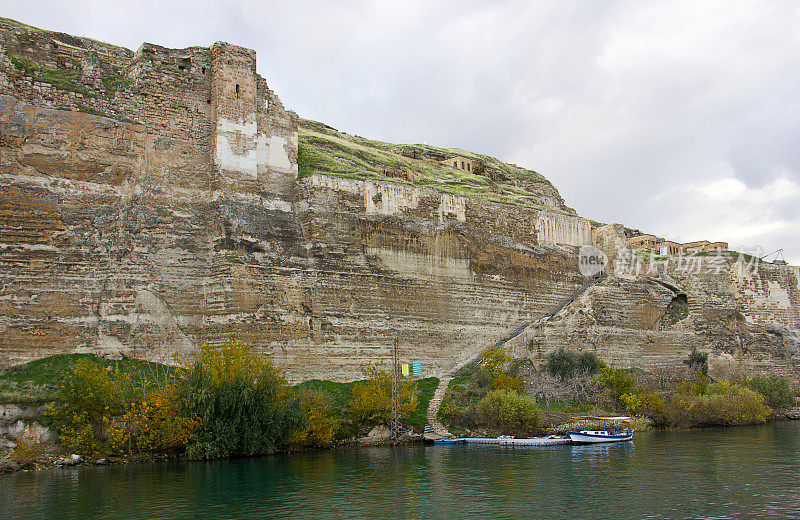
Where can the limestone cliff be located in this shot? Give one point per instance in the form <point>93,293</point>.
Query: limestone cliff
<point>154,200</point>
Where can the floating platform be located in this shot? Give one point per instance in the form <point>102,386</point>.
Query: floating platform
<point>552,440</point>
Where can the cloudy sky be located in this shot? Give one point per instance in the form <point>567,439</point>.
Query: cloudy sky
<point>681,118</point>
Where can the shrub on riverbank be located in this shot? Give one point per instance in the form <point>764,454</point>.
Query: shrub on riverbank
<point>319,426</point>
<point>617,383</point>
<point>510,413</point>
<point>154,424</point>
<point>242,403</point>
<point>719,404</point>
<point>775,389</point>
<point>372,398</point>
<point>86,405</point>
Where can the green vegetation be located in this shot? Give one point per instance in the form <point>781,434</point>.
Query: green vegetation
<point>507,412</point>
<point>242,403</point>
<point>38,381</point>
<point>776,390</point>
<point>566,363</point>
<point>324,150</point>
<point>717,404</point>
<point>697,361</point>
<point>60,78</point>
<point>495,371</point>
<point>23,63</point>
<point>114,83</point>
<point>225,401</point>
<point>372,398</point>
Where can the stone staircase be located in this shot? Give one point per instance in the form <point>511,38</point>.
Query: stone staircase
<point>434,428</point>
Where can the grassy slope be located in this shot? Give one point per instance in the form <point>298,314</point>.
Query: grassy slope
<point>325,150</point>
<point>342,394</point>
<point>38,381</point>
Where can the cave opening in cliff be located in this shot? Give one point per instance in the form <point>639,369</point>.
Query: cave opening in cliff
<point>678,309</point>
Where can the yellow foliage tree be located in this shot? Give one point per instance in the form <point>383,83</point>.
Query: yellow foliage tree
<point>88,401</point>
<point>372,399</point>
<point>320,427</point>
<point>154,424</point>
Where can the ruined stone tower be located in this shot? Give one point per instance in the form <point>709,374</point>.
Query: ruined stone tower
<point>254,144</point>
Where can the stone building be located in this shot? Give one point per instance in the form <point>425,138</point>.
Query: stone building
<point>461,163</point>
<point>646,241</point>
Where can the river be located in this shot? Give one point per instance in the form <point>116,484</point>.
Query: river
<point>741,472</point>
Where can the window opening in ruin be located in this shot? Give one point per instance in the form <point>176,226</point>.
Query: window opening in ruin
<point>208,101</point>
<point>203,70</point>
<point>237,91</point>
<point>185,63</point>
<point>462,165</point>
<point>455,164</point>
<point>467,166</point>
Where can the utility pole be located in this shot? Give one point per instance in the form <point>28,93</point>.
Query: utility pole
<point>395,391</point>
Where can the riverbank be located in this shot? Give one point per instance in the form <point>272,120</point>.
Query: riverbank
<point>334,415</point>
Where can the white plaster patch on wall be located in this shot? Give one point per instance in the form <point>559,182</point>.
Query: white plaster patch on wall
<point>277,157</point>
<point>554,228</point>
<point>774,296</point>
<point>247,129</point>
<point>389,199</point>
<point>452,205</point>
<point>249,151</point>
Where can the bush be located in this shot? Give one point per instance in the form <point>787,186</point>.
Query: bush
<point>775,389</point>
<point>372,399</point>
<point>154,424</point>
<point>644,401</point>
<point>617,383</point>
<point>504,381</point>
<point>565,363</point>
<point>697,361</point>
<point>721,404</point>
<point>28,450</point>
<point>86,405</point>
<point>589,363</point>
<point>510,413</point>
<point>242,403</point>
<point>319,427</point>
<point>494,361</point>
<point>562,363</point>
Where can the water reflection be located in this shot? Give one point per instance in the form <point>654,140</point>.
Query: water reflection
<point>725,473</point>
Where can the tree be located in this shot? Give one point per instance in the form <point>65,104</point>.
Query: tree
<point>697,361</point>
<point>776,390</point>
<point>510,413</point>
<point>372,399</point>
<point>242,402</point>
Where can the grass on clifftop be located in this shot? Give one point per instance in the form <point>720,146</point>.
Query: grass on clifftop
<point>325,150</point>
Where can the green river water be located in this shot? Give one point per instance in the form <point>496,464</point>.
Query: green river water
<point>742,472</point>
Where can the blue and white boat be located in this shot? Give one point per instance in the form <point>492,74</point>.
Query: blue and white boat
<point>600,429</point>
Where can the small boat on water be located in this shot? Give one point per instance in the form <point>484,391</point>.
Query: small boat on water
<point>593,430</point>
<point>458,440</point>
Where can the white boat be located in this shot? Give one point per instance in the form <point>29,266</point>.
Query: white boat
<point>600,429</point>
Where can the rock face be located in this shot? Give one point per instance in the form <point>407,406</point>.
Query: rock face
<point>151,202</point>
